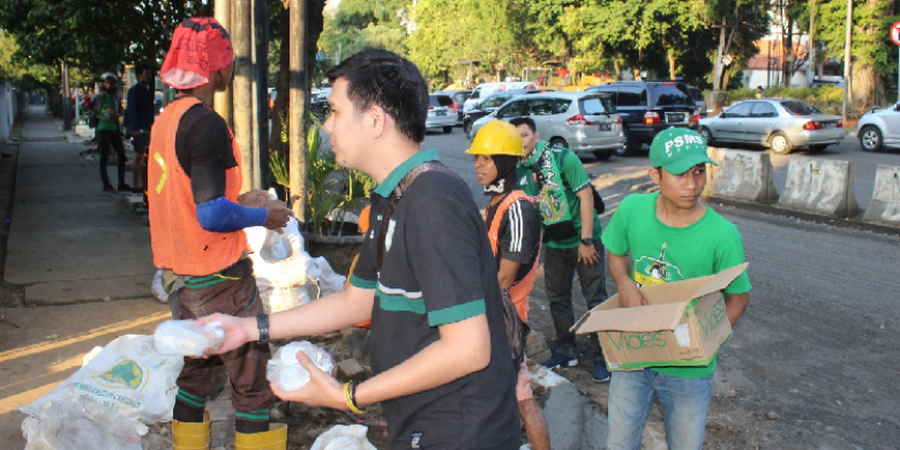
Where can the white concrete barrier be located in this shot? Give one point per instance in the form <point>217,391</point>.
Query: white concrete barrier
<point>740,175</point>
<point>820,186</point>
<point>885,205</point>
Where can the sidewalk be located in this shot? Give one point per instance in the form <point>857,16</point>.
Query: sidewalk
<point>71,249</point>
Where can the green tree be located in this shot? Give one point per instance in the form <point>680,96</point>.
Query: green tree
<point>739,23</point>
<point>361,23</point>
<point>95,35</point>
<point>873,55</point>
<point>446,32</point>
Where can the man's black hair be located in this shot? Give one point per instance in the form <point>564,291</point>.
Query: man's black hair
<point>524,121</point>
<point>140,68</point>
<point>377,76</point>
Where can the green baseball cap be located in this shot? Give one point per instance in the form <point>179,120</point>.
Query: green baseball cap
<point>678,149</point>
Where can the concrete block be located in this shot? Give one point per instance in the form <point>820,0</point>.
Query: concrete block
<point>536,349</point>
<point>221,414</point>
<point>740,175</point>
<point>885,205</point>
<point>819,186</point>
<point>350,369</point>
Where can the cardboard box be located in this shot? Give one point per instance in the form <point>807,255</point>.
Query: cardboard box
<point>684,324</point>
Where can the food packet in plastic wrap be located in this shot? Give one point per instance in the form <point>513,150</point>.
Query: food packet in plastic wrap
<point>276,247</point>
<point>286,372</point>
<point>186,338</point>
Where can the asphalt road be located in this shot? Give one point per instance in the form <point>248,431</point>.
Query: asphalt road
<point>813,362</point>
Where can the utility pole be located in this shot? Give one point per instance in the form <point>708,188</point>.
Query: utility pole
<point>849,26</point>
<point>720,55</point>
<point>297,109</point>
<point>67,112</point>
<point>811,54</point>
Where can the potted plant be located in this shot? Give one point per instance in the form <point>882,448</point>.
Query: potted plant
<point>333,194</point>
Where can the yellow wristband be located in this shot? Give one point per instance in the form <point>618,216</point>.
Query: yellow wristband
<point>348,397</point>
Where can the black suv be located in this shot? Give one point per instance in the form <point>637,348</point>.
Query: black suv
<point>648,107</point>
<point>490,104</point>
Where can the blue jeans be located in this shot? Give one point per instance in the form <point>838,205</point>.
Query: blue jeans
<point>560,266</point>
<point>684,404</point>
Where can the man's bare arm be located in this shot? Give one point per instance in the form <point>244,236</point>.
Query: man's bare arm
<point>735,304</point>
<point>620,270</point>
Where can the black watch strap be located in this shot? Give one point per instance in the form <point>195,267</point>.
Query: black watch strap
<point>262,324</point>
<point>587,241</point>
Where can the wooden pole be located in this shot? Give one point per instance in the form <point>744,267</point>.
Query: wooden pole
<point>243,75</point>
<point>259,94</point>
<point>223,103</point>
<point>297,109</point>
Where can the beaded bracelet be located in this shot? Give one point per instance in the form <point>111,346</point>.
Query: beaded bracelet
<point>350,397</point>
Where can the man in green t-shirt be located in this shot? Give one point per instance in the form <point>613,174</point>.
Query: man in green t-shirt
<point>556,179</point>
<point>107,106</point>
<point>659,238</point>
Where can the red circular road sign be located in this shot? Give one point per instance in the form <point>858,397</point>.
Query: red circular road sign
<point>895,33</point>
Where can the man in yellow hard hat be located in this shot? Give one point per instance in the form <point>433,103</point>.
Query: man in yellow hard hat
<point>514,229</point>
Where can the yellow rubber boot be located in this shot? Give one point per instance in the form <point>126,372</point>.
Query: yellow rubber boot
<point>191,435</point>
<point>274,439</point>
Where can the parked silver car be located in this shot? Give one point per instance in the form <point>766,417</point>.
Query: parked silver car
<point>879,128</point>
<point>781,124</point>
<point>439,115</point>
<point>579,121</point>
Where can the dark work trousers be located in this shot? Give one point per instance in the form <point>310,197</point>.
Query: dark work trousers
<point>105,140</point>
<point>560,266</point>
<point>246,365</point>
<point>141,146</point>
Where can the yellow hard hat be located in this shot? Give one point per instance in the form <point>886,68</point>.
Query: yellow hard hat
<point>498,138</point>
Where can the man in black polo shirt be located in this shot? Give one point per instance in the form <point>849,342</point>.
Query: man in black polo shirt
<point>439,351</point>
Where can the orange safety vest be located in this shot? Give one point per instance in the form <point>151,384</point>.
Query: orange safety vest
<point>179,242</point>
<point>518,291</point>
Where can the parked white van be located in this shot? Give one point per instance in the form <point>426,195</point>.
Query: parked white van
<point>484,90</point>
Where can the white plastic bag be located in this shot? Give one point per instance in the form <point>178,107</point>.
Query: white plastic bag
<point>276,246</point>
<point>286,372</point>
<point>186,338</point>
<point>276,298</point>
<point>288,272</point>
<point>299,269</point>
<point>157,288</point>
<point>70,422</point>
<point>343,437</point>
<point>129,377</point>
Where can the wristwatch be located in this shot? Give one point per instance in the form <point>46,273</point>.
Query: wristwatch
<point>587,241</point>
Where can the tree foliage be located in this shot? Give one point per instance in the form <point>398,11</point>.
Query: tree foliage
<point>361,23</point>
<point>446,32</point>
<point>873,55</point>
<point>95,35</point>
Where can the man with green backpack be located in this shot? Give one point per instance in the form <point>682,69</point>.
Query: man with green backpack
<point>556,180</point>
